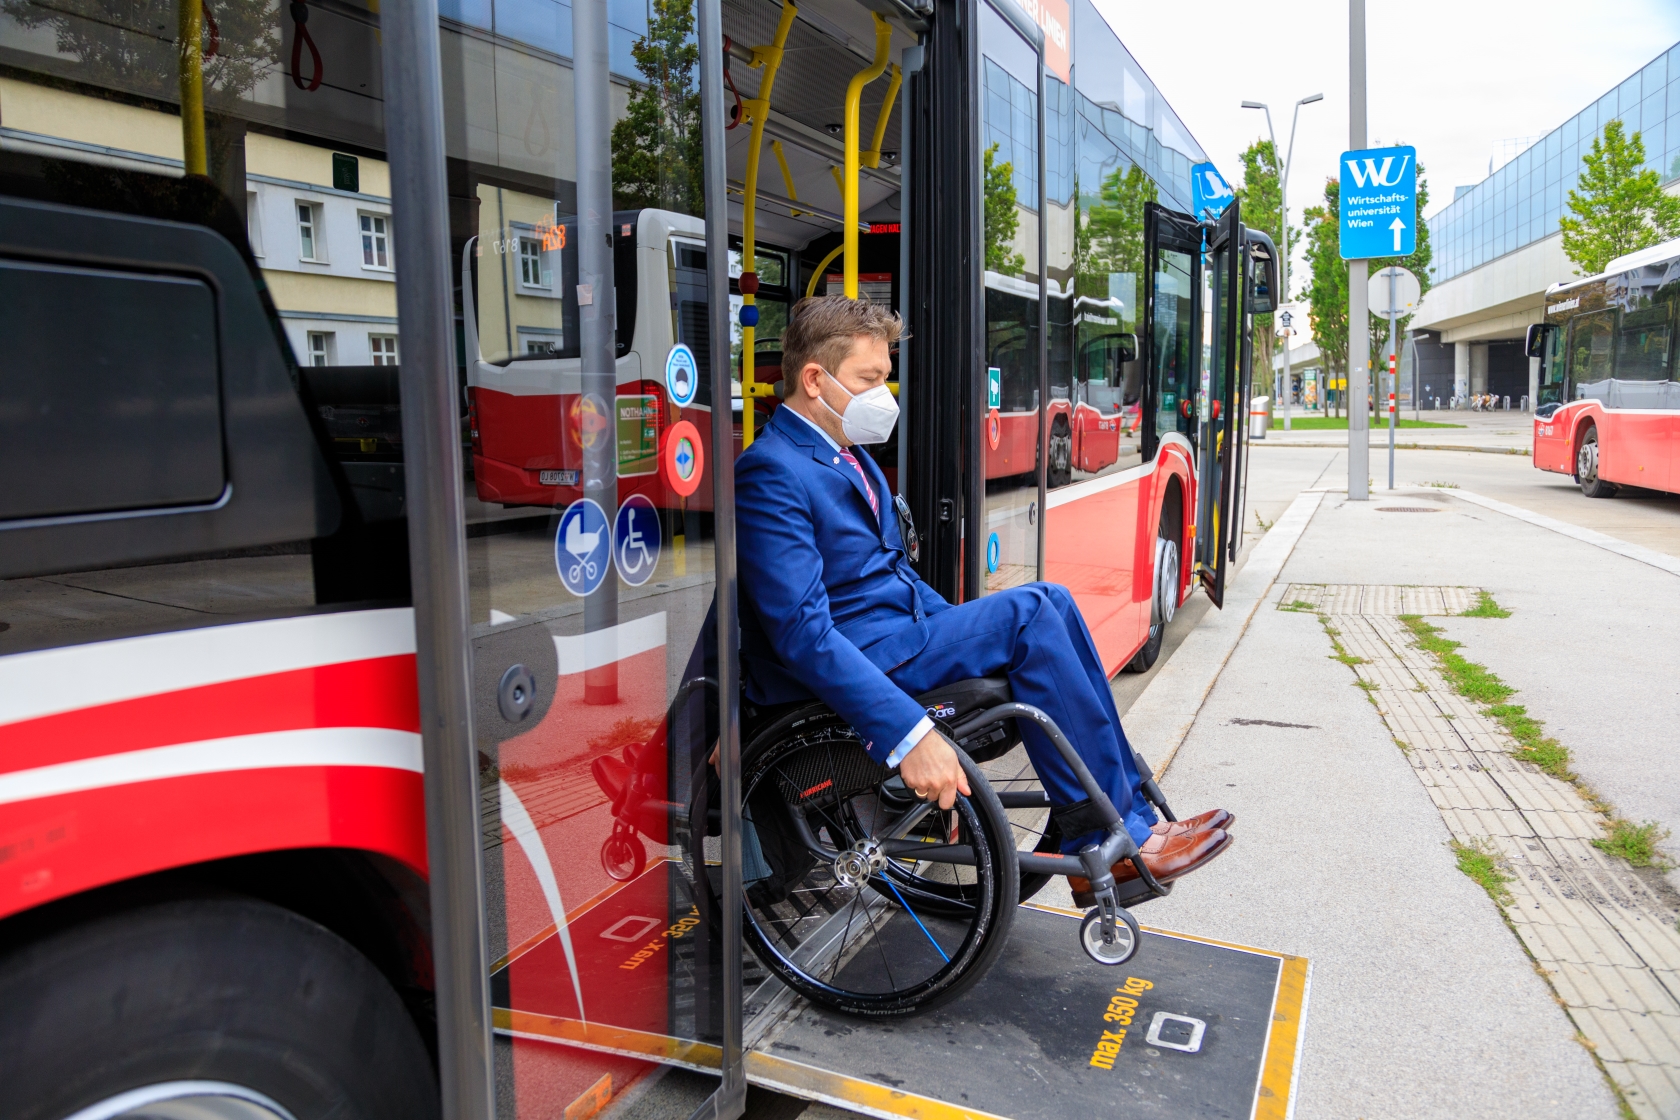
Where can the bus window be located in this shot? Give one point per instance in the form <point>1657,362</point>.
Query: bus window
<point>1552,371</point>
<point>1592,353</point>
<point>1644,342</point>
<point>298,503</point>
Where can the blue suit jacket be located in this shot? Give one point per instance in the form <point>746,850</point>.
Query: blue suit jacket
<point>830,604</point>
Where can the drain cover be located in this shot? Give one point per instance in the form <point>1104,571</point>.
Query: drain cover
<point>1406,509</point>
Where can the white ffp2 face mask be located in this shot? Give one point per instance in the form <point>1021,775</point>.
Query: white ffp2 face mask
<point>871,416</point>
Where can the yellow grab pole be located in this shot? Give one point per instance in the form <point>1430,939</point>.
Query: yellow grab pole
<point>189,32</point>
<point>787,176</point>
<point>849,187</point>
<point>872,158</point>
<point>758,111</point>
<point>811,288</point>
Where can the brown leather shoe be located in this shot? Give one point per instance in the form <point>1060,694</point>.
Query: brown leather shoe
<point>1213,818</point>
<point>1168,857</point>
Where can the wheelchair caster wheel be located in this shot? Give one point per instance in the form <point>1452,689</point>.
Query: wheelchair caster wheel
<point>1127,938</point>
<point>622,856</point>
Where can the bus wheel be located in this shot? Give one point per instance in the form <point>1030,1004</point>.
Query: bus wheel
<point>1586,467</point>
<point>222,1007</point>
<point>1061,455</point>
<point>1163,604</point>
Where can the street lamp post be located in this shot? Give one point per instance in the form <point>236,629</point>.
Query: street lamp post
<point>1283,209</point>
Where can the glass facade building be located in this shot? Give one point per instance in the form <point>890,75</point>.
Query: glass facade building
<point>1521,202</point>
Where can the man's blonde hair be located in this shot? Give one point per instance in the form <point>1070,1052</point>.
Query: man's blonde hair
<point>823,329</point>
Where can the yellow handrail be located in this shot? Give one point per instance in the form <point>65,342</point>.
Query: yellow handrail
<point>872,158</point>
<point>854,96</point>
<point>190,41</point>
<point>787,176</point>
<point>758,111</point>
<point>811,288</point>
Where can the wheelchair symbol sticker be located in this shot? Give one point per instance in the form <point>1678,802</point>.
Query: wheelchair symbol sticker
<point>682,375</point>
<point>636,540</point>
<point>582,547</point>
<point>992,553</point>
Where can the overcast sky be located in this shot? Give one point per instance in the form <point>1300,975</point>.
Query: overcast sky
<point>1450,77</point>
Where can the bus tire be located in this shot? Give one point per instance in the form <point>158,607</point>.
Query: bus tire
<point>1586,467</point>
<point>241,994</point>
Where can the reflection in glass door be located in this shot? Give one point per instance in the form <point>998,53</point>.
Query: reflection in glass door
<point>583,266</point>
<point>1217,403</point>
<point>1010,422</point>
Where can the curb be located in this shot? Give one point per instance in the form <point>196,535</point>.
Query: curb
<point>1402,447</point>
<point>1161,717</point>
<point>1659,560</point>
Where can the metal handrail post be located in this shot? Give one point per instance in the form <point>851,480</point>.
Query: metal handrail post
<point>414,138</point>
<point>729,1101</point>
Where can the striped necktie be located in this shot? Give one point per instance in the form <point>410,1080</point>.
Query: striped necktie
<point>874,506</point>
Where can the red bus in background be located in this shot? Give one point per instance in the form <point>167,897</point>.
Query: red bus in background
<point>1608,410</point>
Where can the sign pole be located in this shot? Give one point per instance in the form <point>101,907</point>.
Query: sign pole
<point>1393,381</point>
<point>1359,321</point>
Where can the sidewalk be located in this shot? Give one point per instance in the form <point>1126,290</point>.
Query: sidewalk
<point>1424,1003</point>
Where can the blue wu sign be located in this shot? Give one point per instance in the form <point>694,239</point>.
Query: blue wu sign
<point>1209,192</point>
<point>1379,203</point>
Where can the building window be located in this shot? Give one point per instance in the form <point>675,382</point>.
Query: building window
<point>321,348</point>
<point>309,232</point>
<point>375,241</point>
<point>253,223</point>
<point>532,270</point>
<point>384,348</point>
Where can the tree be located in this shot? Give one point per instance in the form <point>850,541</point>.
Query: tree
<point>1001,218</point>
<point>119,44</point>
<point>1327,295</point>
<point>656,145</point>
<point>1109,238</point>
<point>1616,207</point>
<point>1261,200</point>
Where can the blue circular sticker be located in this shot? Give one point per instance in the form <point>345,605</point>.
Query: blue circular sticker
<point>992,553</point>
<point>682,375</point>
<point>583,547</point>
<point>636,539</point>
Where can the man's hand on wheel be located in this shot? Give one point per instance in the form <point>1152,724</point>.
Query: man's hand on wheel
<point>931,771</point>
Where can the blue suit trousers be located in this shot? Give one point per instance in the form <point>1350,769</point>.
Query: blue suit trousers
<point>1036,635</point>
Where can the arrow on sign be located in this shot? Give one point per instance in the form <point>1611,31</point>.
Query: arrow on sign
<point>1398,227</point>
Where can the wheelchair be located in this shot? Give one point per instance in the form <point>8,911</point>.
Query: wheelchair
<point>863,898</point>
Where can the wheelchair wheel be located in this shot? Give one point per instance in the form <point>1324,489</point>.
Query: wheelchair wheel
<point>875,905</point>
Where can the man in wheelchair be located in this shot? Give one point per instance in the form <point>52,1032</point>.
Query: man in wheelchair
<point>832,607</point>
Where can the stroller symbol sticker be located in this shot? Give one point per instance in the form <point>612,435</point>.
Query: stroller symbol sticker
<point>582,547</point>
<point>636,540</point>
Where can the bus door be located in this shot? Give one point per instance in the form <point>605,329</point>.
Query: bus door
<point>1219,399</point>
<point>595,658</point>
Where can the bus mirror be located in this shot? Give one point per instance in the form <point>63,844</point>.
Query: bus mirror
<point>1534,346</point>
<point>1262,273</point>
<point>1126,346</point>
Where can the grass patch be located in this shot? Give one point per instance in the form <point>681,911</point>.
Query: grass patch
<point>1368,686</point>
<point>1443,485</point>
<point>1485,608</point>
<point>1636,843</point>
<point>1534,745</point>
<point>1340,423</point>
<point>1479,861</point>
<point>1298,605</point>
<point>1470,680</point>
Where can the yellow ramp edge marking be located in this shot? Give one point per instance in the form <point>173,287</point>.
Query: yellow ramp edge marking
<point>1283,1048</point>
<point>766,1070</point>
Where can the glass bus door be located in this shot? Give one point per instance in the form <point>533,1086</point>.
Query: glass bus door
<point>1012,293</point>
<point>582,258</point>
<point>1219,399</point>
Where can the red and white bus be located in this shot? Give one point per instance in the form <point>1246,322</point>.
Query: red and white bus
<point>304,681</point>
<point>1608,411</point>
